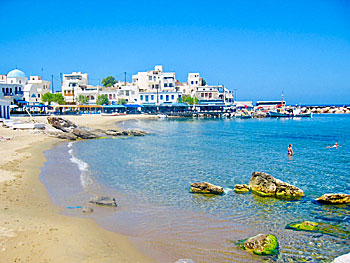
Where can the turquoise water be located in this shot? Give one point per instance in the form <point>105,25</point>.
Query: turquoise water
<point>151,177</point>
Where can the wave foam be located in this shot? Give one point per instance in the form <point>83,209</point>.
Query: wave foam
<point>85,175</point>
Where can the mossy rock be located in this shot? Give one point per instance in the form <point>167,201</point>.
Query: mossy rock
<point>241,188</point>
<point>303,226</point>
<point>261,244</point>
<point>259,193</point>
<point>328,229</point>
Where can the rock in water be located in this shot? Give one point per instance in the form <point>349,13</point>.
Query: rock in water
<point>261,244</point>
<point>103,200</point>
<point>206,188</point>
<point>324,228</point>
<point>264,184</point>
<point>87,209</point>
<point>241,188</point>
<point>334,199</point>
<point>304,226</point>
<point>342,259</point>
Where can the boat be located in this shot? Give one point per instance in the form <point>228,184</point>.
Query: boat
<point>162,116</point>
<point>290,112</point>
<point>110,114</point>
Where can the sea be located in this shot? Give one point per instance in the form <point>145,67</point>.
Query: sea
<point>150,177</point>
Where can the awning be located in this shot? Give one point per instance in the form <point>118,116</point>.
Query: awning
<point>132,105</point>
<point>113,106</point>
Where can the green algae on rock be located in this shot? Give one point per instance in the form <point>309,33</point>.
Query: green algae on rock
<point>241,188</point>
<point>323,228</point>
<point>260,244</point>
<point>303,226</point>
<point>266,185</point>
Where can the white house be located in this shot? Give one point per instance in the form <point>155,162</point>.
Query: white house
<point>154,80</point>
<point>4,108</point>
<point>12,85</point>
<point>214,93</point>
<point>35,89</point>
<point>159,97</point>
<point>75,83</point>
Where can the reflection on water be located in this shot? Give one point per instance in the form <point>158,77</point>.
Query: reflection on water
<point>152,174</point>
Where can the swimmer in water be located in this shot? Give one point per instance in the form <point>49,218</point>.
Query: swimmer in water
<point>336,145</point>
<point>290,150</point>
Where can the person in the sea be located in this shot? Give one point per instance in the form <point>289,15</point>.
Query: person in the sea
<point>290,150</point>
<point>336,145</point>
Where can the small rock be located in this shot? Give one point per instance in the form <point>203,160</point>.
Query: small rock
<point>206,188</point>
<point>261,244</point>
<point>87,209</point>
<point>241,188</point>
<point>103,200</point>
<point>334,199</point>
<point>305,226</point>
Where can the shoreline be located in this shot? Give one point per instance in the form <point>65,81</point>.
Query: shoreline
<point>32,228</point>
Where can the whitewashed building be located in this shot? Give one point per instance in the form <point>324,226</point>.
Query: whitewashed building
<point>4,108</point>
<point>214,93</point>
<point>35,89</point>
<point>12,85</point>
<point>159,97</point>
<point>73,85</point>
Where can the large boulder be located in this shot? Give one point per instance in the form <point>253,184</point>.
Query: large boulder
<point>241,188</point>
<point>61,124</point>
<point>264,184</point>
<point>260,244</point>
<point>335,199</point>
<point>206,188</point>
<point>103,200</point>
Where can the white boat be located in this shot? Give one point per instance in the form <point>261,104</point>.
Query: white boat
<point>110,114</point>
<point>28,125</point>
<point>162,116</point>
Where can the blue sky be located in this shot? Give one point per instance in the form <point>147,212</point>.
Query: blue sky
<point>260,48</point>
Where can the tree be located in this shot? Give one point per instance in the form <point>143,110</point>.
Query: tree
<point>82,99</point>
<point>58,97</point>
<point>188,99</point>
<point>109,81</point>
<point>121,101</point>
<point>49,97</point>
<point>102,100</point>
<point>204,82</point>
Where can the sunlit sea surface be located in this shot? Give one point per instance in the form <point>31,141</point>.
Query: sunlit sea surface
<point>150,177</point>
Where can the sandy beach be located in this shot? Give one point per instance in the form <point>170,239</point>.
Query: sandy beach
<point>31,226</point>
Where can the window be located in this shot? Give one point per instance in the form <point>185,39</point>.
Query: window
<point>196,82</point>
<point>38,95</point>
<point>167,98</point>
<point>152,97</point>
<point>110,96</point>
<point>192,82</point>
<point>171,85</point>
<point>202,95</point>
<point>150,78</point>
<point>146,97</point>
<point>113,96</point>
<point>172,97</point>
<point>141,97</point>
<point>165,84</point>
<point>20,82</point>
<point>157,86</point>
<point>161,97</point>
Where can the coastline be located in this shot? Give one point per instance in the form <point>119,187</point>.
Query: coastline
<point>32,228</point>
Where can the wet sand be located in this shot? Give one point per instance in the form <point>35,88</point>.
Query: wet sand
<point>31,226</point>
